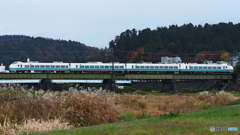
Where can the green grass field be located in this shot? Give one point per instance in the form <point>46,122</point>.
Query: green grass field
<point>198,122</point>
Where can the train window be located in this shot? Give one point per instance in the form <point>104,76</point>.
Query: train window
<point>86,66</point>
<point>204,67</point>
<point>106,66</point>
<point>47,66</point>
<point>200,67</point>
<point>101,66</point>
<point>157,67</point>
<point>166,67</point>
<point>116,66</point>
<point>151,67</point>
<point>81,66</point>
<point>37,66</point>
<point>32,66</point>
<point>170,67</point>
<point>142,67</point>
<point>147,67</point>
<point>214,67</point>
<point>190,67</point>
<point>137,67</point>
<point>57,66</point>
<point>91,66</point>
<point>209,67</point>
<point>96,66</point>
<point>26,66</point>
<point>76,66</point>
<point>161,67</point>
<point>110,66</point>
<point>41,66</point>
<point>121,66</point>
<point>52,66</point>
<point>66,66</point>
<point>195,67</point>
<point>218,67</point>
<point>175,67</point>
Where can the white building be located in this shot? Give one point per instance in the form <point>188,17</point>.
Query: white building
<point>234,60</point>
<point>171,60</point>
<point>2,69</point>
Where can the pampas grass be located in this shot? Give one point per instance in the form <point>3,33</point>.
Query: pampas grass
<point>78,108</point>
<point>88,108</point>
<point>29,111</point>
<point>33,126</point>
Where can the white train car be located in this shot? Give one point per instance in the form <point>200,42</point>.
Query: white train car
<point>206,68</point>
<point>153,67</point>
<point>96,67</point>
<point>34,66</point>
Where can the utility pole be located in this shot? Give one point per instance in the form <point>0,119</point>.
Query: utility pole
<point>112,76</point>
<point>109,54</point>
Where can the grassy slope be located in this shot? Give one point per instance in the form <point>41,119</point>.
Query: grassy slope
<point>191,123</point>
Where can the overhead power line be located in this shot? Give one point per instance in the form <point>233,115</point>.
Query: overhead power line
<point>55,52</point>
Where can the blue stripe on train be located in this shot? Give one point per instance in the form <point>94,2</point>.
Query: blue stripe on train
<point>40,69</point>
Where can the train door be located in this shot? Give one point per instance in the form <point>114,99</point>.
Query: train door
<point>125,68</point>
<point>178,71</point>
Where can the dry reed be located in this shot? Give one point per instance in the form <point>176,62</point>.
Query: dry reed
<point>89,108</point>
<point>76,108</point>
<point>32,126</point>
<point>79,108</point>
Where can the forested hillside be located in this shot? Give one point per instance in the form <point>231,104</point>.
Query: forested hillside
<point>185,41</point>
<point>192,43</point>
<point>19,48</point>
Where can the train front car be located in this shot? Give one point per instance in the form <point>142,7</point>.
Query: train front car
<point>15,66</point>
<point>37,67</point>
<point>229,69</point>
<point>206,68</point>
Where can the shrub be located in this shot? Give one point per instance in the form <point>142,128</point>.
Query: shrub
<point>170,115</point>
<point>147,89</point>
<point>131,116</point>
<point>194,90</point>
<point>126,89</point>
<point>141,92</point>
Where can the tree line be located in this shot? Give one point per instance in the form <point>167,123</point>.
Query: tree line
<point>185,41</point>
<point>19,48</point>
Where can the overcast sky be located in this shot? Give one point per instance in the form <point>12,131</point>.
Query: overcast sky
<point>96,22</point>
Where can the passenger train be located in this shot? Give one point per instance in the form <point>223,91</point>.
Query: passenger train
<point>99,67</point>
